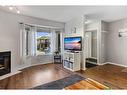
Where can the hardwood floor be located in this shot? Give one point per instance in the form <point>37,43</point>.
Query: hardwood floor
<point>87,84</point>
<point>34,76</point>
<point>110,75</point>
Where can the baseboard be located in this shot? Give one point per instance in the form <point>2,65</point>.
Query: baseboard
<point>41,64</point>
<point>9,74</point>
<point>101,63</point>
<point>19,71</point>
<point>108,63</point>
<point>116,64</point>
<point>33,65</point>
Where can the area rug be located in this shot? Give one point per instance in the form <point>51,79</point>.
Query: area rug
<point>61,83</point>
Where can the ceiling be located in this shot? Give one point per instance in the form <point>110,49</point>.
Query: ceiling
<point>66,13</point>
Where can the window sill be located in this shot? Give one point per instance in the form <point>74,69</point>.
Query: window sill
<point>43,54</point>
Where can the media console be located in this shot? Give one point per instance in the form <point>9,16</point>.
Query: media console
<point>72,61</point>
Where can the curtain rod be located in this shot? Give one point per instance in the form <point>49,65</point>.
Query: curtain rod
<point>41,26</point>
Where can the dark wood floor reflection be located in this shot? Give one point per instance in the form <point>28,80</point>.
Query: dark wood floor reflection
<point>34,76</point>
<point>111,75</point>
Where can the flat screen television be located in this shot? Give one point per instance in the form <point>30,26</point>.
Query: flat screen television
<point>73,43</point>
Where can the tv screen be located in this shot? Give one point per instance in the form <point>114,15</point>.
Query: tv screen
<point>73,43</point>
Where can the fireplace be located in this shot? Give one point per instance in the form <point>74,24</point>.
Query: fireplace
<point>5,62</point>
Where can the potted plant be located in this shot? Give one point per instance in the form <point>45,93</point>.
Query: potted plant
<point>56,52</point>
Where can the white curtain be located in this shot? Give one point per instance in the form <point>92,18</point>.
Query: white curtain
<point>53,41</point>
<point>33,41</point>
<point>22,42</point>
<point>31,36</point>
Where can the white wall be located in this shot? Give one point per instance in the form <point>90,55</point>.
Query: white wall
<point>94,25</point>
<point>111,48</point>
<point>10,33</point>
<point>76,22</point>
<point>116,50</point>
<point>104,33</point>
<point>79,24</point>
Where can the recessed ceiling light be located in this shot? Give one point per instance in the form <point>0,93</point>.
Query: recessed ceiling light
<point>18,12</point>
<point>11,8</point>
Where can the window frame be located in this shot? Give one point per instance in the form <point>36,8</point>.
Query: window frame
<point>50,43</point>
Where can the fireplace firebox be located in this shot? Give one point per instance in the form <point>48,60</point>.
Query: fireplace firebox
<point>5,62</point>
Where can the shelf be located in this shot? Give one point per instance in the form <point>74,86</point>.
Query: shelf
<point>57,58</point>
<point>68,68</point>
<point>72,61</point>
<point>69,60</point>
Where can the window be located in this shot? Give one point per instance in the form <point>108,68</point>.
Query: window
<point>39,40</point>
<point>43,42</point>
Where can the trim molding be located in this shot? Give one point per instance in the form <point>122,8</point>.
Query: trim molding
<point>9,74</point>
<point>21,68</point>
<point>115,64</point>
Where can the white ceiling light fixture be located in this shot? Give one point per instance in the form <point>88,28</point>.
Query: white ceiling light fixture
<point>18,12</point>
<point>123,32</point>
<point>14,8</point>
<point>10,8</point>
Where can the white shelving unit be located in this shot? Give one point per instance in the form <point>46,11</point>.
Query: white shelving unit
<point>72,61</point>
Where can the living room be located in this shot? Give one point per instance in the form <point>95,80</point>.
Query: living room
<point>42,49</point>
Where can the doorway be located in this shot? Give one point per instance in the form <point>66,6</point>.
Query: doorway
<point>91,48</point>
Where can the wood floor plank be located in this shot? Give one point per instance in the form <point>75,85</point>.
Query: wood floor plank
<point>82,85</point>
<point>87,85</point>
<point>108,74</point>
<point>34,76</point>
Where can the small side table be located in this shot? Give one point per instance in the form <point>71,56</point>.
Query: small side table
<point>57,59</point>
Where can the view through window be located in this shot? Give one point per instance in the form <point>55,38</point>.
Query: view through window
<point>43,42</point>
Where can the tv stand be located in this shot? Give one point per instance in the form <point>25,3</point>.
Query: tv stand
<point>72,51</point>
<point>72,61</point>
